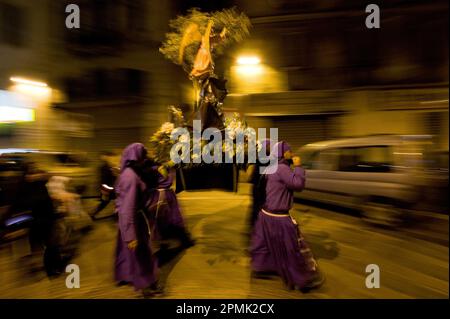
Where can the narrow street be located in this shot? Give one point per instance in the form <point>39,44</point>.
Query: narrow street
<point>218,266</point>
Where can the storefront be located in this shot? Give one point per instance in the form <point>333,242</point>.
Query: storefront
<point>15,110</point>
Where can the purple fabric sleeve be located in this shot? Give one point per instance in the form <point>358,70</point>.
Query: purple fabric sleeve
<point>128,209</point>
<point>294,180</point>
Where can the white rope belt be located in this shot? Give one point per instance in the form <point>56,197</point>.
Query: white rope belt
<point>275,215</point>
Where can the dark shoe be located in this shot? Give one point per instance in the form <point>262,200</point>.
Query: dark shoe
<point>314,283</point>
<point>154,290</point>
<point>157,288</point>
<point>122,283</point>
<point>188,243</point>
<point>262,274</point>
<point>164,246</point>
<point>181,234</point>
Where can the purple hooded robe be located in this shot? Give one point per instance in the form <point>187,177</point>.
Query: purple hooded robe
<point>277,244</point>
<point>163,201</point>
<point>255,178</point>
<point>138,267</point>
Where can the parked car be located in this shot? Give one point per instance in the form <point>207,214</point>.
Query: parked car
<point>381,176</point>
<point>12,172</point>
<point>68,164</point>
<point>11,181</point>
<point>435,176</point>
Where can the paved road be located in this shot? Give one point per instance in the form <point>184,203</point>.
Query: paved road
<point>218,266</point>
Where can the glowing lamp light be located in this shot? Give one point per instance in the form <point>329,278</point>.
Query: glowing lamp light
<point>248,66</point>
<point>30,87</point>
<point>27,82</point>
<point>248,60</point>
<point>38,91</point>
<point>10,114</point>
<point>249,70</point>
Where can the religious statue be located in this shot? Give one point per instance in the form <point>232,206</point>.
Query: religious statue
<point>198,38</point>
<point>210,91</point>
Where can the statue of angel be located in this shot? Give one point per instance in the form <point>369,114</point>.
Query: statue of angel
<point>198,38</point>
<point>203,63</point>
<point>209,90</point>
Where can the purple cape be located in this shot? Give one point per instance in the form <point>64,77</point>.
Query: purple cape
<point>139,266</point>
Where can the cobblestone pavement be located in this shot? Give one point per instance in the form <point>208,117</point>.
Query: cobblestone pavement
<point>218,266</point>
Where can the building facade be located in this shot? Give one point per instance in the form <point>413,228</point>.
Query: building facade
<point>324,74</point>
<point>107,83</point>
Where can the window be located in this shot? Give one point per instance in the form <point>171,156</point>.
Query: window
<point>365,159</point>
<point>326,160</point>
<point>308,158</point>
<point>12,25</point>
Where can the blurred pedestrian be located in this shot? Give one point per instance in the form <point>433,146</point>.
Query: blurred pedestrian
<point>107,180</point>
<point>68,203</point>
<point>44,233</point>
<point>277,243</point>
<point>135,262</point>
<point>164,208</point>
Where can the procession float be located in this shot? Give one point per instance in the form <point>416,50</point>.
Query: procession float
<point>196,39</point>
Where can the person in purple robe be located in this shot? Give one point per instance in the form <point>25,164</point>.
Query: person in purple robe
<point>165,210</point>
<point>277,244</point>
<point>255,178</point>
<point>135,263</point>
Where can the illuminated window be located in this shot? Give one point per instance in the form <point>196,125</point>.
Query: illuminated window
<point>10,114</point>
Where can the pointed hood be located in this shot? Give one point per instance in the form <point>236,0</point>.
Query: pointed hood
<point>279,149</point>
<point>132,153</point>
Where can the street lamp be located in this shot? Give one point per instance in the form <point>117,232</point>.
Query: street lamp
<point>248,65</point>
<point>248,60</point>
<point>28,86</point>
<point>27,82</point>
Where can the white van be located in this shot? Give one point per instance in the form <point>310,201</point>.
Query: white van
<point>381,175</point>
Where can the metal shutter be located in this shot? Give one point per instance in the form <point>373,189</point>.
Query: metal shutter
<point>301,130</point>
